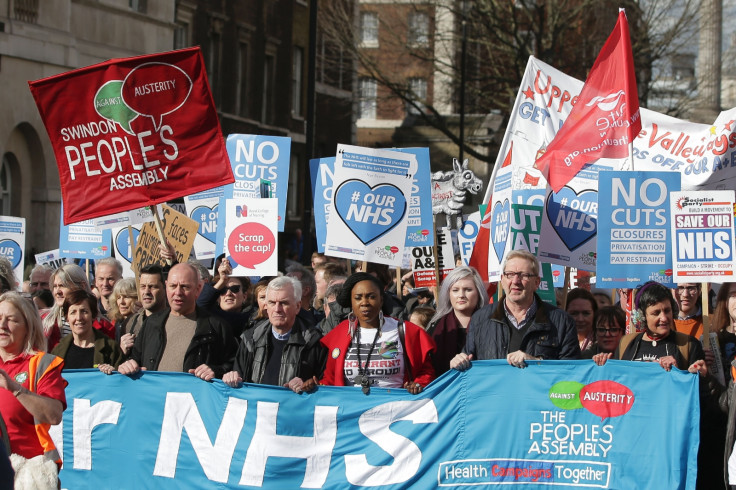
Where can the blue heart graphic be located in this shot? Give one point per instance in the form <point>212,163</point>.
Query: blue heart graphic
<point>11,250</point>
<point>207,219</point>
<point>571,217</point>
<point>122,243</point>
<point>500,227</point>
<point>369,212</point>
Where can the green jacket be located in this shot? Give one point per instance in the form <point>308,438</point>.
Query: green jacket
<point>107,351</point>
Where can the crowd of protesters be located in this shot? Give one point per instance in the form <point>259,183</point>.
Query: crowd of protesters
<point>328,325</point>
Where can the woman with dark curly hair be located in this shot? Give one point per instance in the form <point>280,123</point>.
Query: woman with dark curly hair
<point>659,342</point>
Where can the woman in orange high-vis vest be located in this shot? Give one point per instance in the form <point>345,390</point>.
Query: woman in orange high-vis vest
<point>31,386</point>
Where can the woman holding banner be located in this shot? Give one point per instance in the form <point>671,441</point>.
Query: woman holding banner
<point>403,348</point>
<point>31,392</point>
<point>64,280</point>
<point>660,343</point>
<point>461,294</point>
<point>86,347</point>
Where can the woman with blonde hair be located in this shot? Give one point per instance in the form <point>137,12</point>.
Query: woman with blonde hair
<point>123,304</point>
<point>64,280</point>
<point>31,392</point>
<point>461,294</point>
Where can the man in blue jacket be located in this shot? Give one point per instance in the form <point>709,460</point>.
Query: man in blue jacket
<point>521,327</point>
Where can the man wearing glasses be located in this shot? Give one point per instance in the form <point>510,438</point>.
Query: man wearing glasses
<point>521,327</point>
<point>690,318</point>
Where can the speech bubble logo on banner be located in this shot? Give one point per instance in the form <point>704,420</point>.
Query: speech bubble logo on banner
<point>110,105</point>
<point>573,216</point>
<point>122,243</point>
<point>156,89</point>
<point>500,227</point>
<point>207,219</point>
<point>369,212</point>
<point>251,244</point>
<point>11,251</point>
<point>566,395</point>
<point>606,398</point>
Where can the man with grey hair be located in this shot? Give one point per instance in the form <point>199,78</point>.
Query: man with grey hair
<point>39,278</point>
<point>284,351</point>
<point>520,327</point>
<point>108,271</point>
<point>182,337</point>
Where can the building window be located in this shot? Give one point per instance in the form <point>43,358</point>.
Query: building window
<point>214,53</point>
<point>269,65</point>
<point>26,10</point>
<point>418,29</point>
<point>369,29</point>
<point>6,186</point>
<point>181,35</point>
<point>296,81</point>
<point>242,89</point>
<point>292,198</point>
<point>138,5</point>
<point>418,93</point>
<point>368,94</point>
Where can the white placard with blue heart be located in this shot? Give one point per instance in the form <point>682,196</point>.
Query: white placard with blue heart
<point>13,243</point>
<point>371,190</point>
<point>123,249</point>
<point>570,222</point>
<point>203,208</point>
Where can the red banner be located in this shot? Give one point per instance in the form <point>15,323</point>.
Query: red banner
<point>605,120</point>
<point>133,132</point>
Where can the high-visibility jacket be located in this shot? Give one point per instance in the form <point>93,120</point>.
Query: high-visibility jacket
<point>40,364</point>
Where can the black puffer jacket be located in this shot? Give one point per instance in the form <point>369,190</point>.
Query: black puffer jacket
<point>552,334</point>
<point>303,354</point>
<point>213,343</point>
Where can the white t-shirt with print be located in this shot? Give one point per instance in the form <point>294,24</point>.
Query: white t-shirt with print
<point>386,369</point>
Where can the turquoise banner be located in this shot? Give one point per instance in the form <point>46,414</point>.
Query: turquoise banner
<point>561,423</point>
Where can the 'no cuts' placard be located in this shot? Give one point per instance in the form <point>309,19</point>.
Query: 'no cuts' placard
<point>634,244</point>
<point>251,236</point>
<point>370,202</point>
<point>703,236</point>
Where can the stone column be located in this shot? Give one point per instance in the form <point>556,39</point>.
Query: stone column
<point>708,69</point>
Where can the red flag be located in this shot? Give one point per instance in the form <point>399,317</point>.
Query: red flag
<point>479,257</point>
<point>133,132</point>
<point>605,119</point>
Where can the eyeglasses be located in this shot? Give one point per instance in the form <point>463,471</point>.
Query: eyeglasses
<point>689,289</point>
<point>233,289</point>
<point>607,331</point>
<point>41,284</point>
<point>524,276</point>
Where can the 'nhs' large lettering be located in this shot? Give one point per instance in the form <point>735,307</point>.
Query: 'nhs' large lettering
<point>181,414</point>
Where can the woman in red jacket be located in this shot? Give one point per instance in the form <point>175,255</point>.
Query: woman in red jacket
<point>370,349</point>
